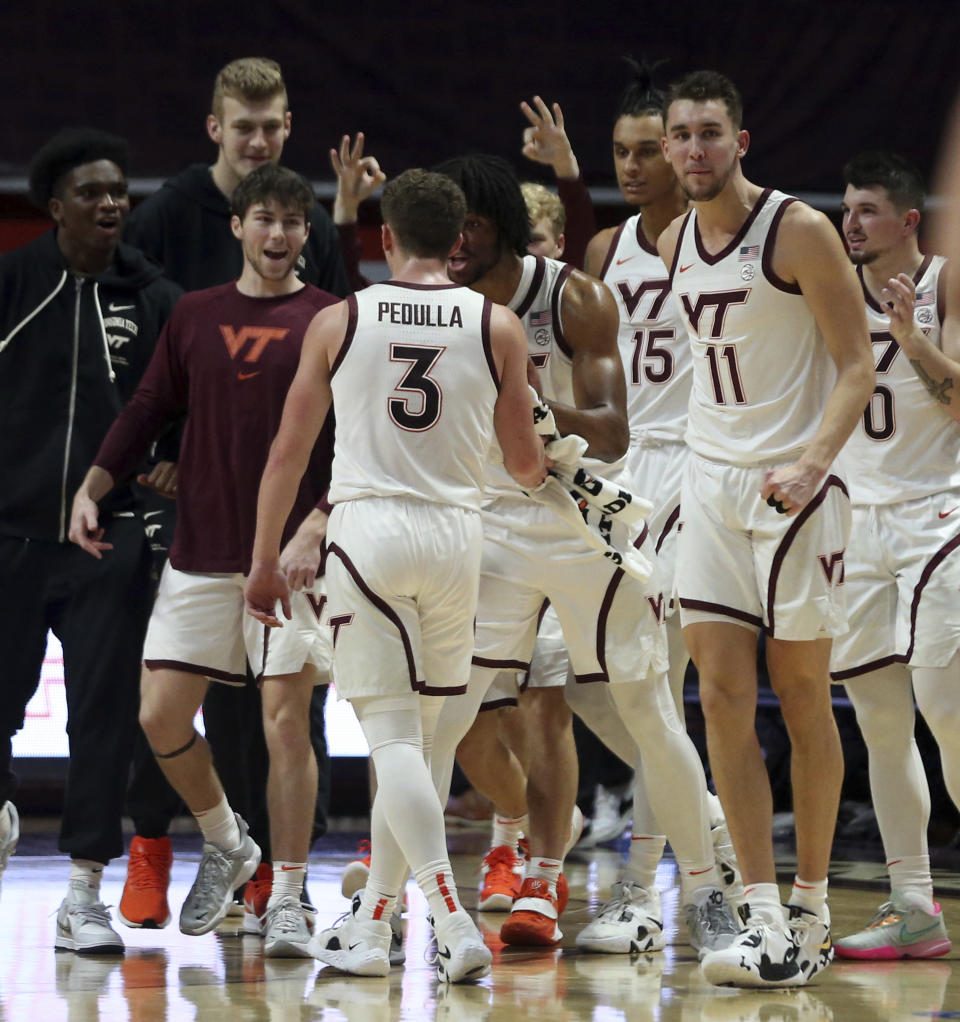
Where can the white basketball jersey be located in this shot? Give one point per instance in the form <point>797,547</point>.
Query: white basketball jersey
<point>414,388</point>
<point>905,445</point>
<point>761,370</point>
<point>654,345</point>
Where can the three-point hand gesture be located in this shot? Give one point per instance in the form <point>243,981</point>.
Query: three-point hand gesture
<point>358,177</point>
<point>545,140</point>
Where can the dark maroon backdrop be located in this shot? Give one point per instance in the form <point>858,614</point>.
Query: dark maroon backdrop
<point>427,80</point>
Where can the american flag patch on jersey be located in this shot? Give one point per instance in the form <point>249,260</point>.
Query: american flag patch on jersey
<point>541,318</point>
<point>925,298</point>
<point>749,252</point>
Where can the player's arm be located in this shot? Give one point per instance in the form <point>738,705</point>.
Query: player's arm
<point>85,528</point>
<point>809,252</point>
<point>590,321</point>
<point>300,558</point>
<point>597,249</point>
<point>523,455</point>
<point>939,370</point>
<point>306,406</point>
<point>669,239</point>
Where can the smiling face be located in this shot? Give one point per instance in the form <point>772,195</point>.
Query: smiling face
<point>249,134</point>
<point>478,253</point>
<point>644,176</point>
<point>89,207</point>
<point>872,225</point>
<point>703,146</point>
<point>272,238</point>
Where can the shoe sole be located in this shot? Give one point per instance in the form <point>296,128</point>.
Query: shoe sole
<point>525,929</point>
<point>924,949</point>
<point>475,967</point>
<point>69,944</point>
<point>144,924</point>
<point>620,945</point>
<point>373,963</point>
<point>495,903</point>
<point>249,868</point>
<point>286,949</point>
<point>730,974</point>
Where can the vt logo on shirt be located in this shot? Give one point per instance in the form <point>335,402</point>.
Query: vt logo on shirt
<point>251,341</point>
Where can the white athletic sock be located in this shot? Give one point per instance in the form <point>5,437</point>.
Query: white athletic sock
<point>810,894</point>
<point>507,830</point>
<point>695,875</point>
<point>541,868</point>
<point>288,878</point>
<point>439,888</point>
<point>85,877</point>
<point>646,851</point>
<point>376,904</point>
<point>764,901</point>
<point>219,826</point>
<point>911,874</point>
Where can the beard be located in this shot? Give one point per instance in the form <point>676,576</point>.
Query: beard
<point>862,258</point>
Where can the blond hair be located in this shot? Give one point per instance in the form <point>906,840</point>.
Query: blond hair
<point>252,79</point>
<point>541,202</point>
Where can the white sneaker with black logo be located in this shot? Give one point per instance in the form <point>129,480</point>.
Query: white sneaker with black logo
<point>462,956</point>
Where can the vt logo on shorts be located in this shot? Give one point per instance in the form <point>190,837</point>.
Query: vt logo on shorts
<point>251,340</point>
<point>830,563</point>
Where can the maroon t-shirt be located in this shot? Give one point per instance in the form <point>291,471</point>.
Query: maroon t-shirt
<point>226,360</point>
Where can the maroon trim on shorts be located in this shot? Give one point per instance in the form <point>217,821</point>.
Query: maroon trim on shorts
<point>676,253</point>
<point>500,665</point>
<point>641,539</point>
<point>929,568</point>
<point>524,307</point>
<point>391,615</point>
<point>586,679</point>
<point>608,258</point>
<point>497,704</point>
<point>348,335</point>
<point>784,547</point>
<point>602,616</point>
<point>558,286</point>
<point>874,665</point>
<point>721,608</point>
<point>485,340</point>
<point>205,672</point>
<point>266,646</point>
<point>671,521</point>
<point>767,261</point>
<point>712,260</point>
<point>541,613</point>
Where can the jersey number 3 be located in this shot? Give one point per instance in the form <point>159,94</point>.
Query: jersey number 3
<point>418,407</point>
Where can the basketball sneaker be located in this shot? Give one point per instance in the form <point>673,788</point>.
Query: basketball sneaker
<point>533,918</point>
<point>286,933</point>
<point>902,928</point>
<point>711,925</point>
<point>219,874</point>
<point>309,909</point>
<point>10,835</point>
<point>502,874</point>
<point>726,859</point>
<point>397,954</point>
<point>462,956</point>
<point>144,900</point>
<point>83,923</point>
<point>256,894</point>
<point>812,936</point>
<point>631,922</point>
<point>355,873</point>
<point>763,954</point>
<point>358,946</point>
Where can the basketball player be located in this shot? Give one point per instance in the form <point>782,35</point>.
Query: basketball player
<point>611,621</point>
<point>781,372</point>
<point>422,373</point>
<point>902,571</point>
<point>226,359</point>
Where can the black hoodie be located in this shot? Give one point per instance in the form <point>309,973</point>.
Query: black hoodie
<point>185,227</point>
<point>72,351</point>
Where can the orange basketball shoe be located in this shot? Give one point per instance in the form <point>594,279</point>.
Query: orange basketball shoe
<point>144,900</point>
<point>502,872</point>
<point>256,894</point>
<point>533,919</point>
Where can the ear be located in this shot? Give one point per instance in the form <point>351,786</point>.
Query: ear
<point>236,226</point>
<point>386,239</point>
<point>743,142</point>
<point>287,121</point>
<point>214,130</point>
<point>55,209</point>
<point>561,244</point>
<point>911,220</point>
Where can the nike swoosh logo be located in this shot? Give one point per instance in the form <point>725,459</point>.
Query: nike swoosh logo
<point>119,308</point>
<point>285,869</point>
<point>683,269</point>
<point>907,936</point>
<point>620,262</point>
<point>247,376</point>
<point>443,952</point>
<point>150,514</point>
<point>946,514</point>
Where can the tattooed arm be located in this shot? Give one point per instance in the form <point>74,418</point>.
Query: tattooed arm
<point>938,369</point>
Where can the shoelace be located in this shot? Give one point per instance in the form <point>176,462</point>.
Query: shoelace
<point>214,866</point>
<point>143,869</point>
<point>287,917</point>
<point>502,859</point>
<point>94,913</point>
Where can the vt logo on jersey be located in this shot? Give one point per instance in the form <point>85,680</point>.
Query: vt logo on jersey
<point>832,565</point>
<point>631,299</point>
<point>251,340</point>
<point>720,302</point>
